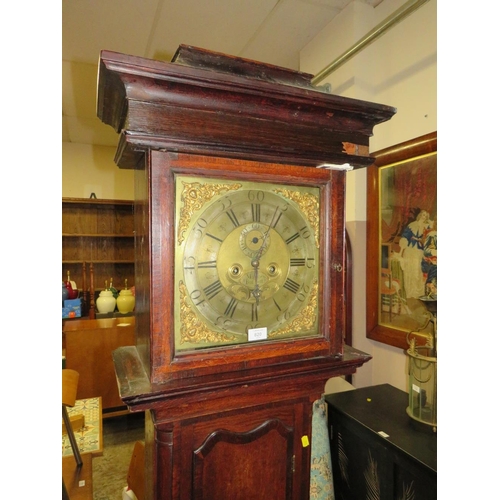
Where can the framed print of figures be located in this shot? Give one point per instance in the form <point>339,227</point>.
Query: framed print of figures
<point>401,240</point>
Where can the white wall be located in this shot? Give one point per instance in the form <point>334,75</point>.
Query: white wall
<point>400,70</point>
<point>91,169</point>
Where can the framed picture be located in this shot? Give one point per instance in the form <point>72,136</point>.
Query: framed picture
<point>401,240</point>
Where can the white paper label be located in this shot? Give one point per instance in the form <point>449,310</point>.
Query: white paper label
<point>333,166</point>
<point>416,388</point>
<point>383,434</point>
<point>257,334</point>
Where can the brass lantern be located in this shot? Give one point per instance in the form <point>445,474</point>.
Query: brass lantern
<point>422,371</point>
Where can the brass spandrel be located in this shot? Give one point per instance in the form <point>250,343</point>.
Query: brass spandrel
<point>193,329</point>
<point>194,196</point>
<point>306,319</point>
<point>308,204</point>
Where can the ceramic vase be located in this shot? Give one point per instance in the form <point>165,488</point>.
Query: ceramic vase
<point>106,303</point>
<point>72,293</point>
<point>65,293</point>
<point>125,301</point>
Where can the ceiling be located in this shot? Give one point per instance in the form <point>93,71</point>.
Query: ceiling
<point>271,31</point>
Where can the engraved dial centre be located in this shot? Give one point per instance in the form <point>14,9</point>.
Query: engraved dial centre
<point>270,255</point>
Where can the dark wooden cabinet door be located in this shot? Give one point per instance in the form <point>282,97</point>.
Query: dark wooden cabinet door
<point>248,465</point>
<point>413,481</point>
<point>248,455</point>
<point>360,470</point>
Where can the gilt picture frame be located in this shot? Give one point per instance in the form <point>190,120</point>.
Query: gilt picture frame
<point>401,266</point>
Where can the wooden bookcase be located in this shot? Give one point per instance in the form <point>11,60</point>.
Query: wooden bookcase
<point>100,232</point>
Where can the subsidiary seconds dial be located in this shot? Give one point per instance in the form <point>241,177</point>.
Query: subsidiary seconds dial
<point>247,258</point>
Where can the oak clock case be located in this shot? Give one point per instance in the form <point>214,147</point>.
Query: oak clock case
<point>220,147</point>
<point>246,261</point>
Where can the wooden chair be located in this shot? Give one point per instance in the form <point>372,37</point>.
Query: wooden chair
<point>69,388</point>
<point>136,471</point>
<point>387,289</point>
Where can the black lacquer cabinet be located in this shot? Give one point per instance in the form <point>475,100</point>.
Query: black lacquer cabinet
<point>377,452</point>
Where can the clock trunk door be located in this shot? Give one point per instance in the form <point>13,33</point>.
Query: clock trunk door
<point>248,466</point>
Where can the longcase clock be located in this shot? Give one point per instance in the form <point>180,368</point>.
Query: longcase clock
<point>239,248</point>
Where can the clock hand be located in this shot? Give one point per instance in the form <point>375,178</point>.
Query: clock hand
<point>261,249</point>
<point>256,292</point>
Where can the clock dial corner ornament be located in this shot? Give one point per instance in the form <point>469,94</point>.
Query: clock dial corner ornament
<point>246,262</point>
<point>193,197</point>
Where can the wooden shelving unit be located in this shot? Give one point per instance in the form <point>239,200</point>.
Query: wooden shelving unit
<point>100,232</point>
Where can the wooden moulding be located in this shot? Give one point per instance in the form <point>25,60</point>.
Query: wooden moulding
<point>282,381</point>
<point>213,104</point>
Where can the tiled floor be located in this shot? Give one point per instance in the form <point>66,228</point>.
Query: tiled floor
<point>110,471</point>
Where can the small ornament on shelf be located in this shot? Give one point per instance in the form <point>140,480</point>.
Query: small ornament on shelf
<point>71,305</point>
<point>65,293</point>
<point>72,288</point>
<point>113,290</point>
<point>106,303</point>
<point>126,300</point>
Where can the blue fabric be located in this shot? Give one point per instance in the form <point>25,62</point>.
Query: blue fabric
<point>321,487</point>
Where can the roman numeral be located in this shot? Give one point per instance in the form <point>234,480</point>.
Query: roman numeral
<point>255,314</point>
<point>207,264</point>
<point>297,262</point>
<point>214,237</point>
<point>292,238</point>
<point>212,290</point>
<point>276,304</point>
<point>231,307</point>
<point>275,219</point>
<point>291,286</point>
<point>232,217</point>
<point>255,212</point>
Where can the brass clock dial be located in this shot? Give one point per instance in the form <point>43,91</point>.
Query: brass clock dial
<point>246,260</point>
